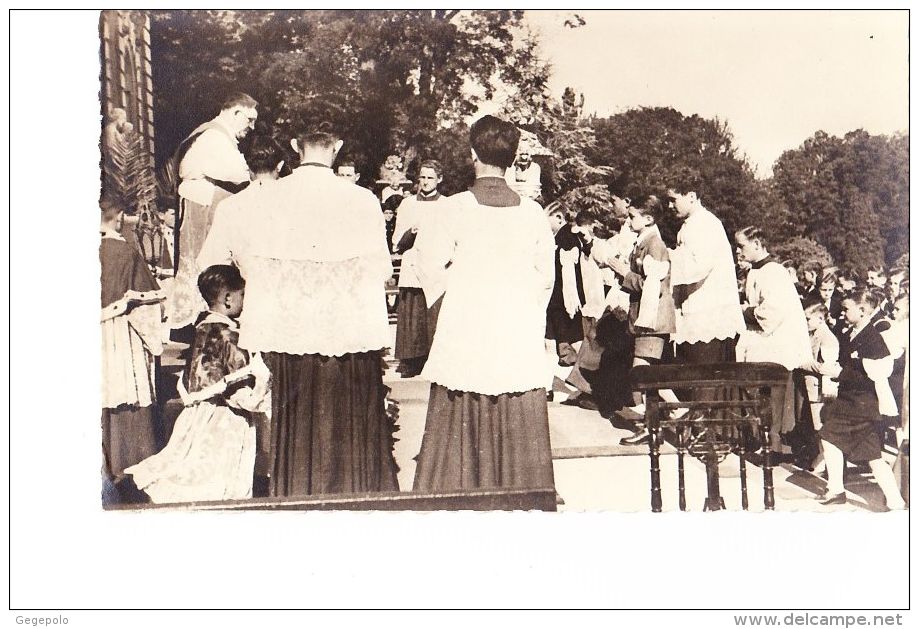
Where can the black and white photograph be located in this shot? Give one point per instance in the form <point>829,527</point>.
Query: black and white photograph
<point>642,271</point>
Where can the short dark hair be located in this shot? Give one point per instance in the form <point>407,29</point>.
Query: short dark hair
<point>434,165</point>
<point>238,99</point>
<point>264,154</point>
<point>557,208</point>
<point>866,296</point>
<point>686,180</point>
<point>751,233</point>
<point>494,141</point>
<point>322,136</point>
<point>812,266</point>
<point>219,278</point>
<point>813,304</point>
<point>585,217</point>
<point>345,163</point>
<point>829,277</point>
<point>648,205</point>
<point>393,202</point>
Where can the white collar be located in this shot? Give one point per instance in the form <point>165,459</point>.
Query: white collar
<point>314,169</point>
<point>216,317</point>
<point>647,233</point>
<point>111,233</point>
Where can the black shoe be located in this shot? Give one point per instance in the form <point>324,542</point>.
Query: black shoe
<point>550,396</point>
<point>571,401</point>
<point>642,437</point>
<point>586,402</point>
<point>837,499</point>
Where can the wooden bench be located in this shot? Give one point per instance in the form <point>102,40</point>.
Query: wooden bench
<point>730,407</point>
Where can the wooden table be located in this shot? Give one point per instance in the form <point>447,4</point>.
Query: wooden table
<point>730,409</point>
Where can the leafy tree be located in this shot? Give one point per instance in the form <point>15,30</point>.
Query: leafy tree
<point>851,194</point>
<point>391,80</point>
<point>649,148</point>
<point>800,250</point>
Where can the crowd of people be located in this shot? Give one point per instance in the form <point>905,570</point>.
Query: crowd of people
<point>279,291</point>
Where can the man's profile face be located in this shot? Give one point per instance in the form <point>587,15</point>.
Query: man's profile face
<point>681,204</point>
<point>243,120</point>
<point>428,180</point>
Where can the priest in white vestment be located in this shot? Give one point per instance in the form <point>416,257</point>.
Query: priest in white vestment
<point>312,248</point>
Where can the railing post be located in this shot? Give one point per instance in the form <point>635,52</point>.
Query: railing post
<point>652,421</point>
<point>765,413</point>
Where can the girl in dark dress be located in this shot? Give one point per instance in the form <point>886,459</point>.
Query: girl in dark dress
<point>851,423</point>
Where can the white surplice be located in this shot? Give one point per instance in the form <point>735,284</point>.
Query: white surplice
<point>489,337</point>
<point>312,248</point>
<point>704,282</point>
<point>782,336</point>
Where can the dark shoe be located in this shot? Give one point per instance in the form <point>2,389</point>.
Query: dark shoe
<point>586,402</point>
<point>641,437</point>
<point>837,499</point>
<point>550,396</point>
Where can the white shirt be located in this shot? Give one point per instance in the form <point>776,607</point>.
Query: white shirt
<point>312,248</point>
<point>214,154</point>
<point>490,330</point>
<point>412,214</point>
<point>704,282</point>
<point>783,337</point>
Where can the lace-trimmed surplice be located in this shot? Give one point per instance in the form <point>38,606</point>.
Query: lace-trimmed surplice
<point>315,270</point>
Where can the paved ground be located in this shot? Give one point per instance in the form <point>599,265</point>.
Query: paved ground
<point>593,472</point>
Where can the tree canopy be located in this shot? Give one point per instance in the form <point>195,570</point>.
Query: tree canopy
<point>406,81</point>
<point>390,80</point>
<point>851,194</point>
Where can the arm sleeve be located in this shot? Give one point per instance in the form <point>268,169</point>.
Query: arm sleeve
<point>214,155</point>
<point>772,308</point>
<point>434,245</point>
<point>406,242</point>
<point>545,259</point>
<point>694,258</point>
<point>218,247</point>
<point>633,282</point>
<point>404,223</point>
<point>380,257</point>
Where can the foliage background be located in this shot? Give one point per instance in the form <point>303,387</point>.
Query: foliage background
<point>409,81</point>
